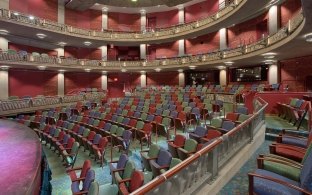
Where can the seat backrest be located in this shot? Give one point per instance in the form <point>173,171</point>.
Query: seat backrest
<point>179,140</point>
<point>139,125</point>
<point>90,176</point>
<point>120,131</point>
<point>150,117</point>
<point>129,168</point>
<point>242,110</point>
<point>164,158</point>
<point>228,125</point>
<point>153,151</point>
<point>243,117</point>
<point>174,162</point>
<point>97,138</point>
<point>306,172</point>
<point>126,121</point>
<point>123,159</point>
<point>103,142</point>
<point>126,135</point>
<point>113,129</point>
<point>216,122</point>
<point>232,116</point>
<point>200,131</point>
<point>137,180</point>
<point>190,145</point>
<point>85,168</point>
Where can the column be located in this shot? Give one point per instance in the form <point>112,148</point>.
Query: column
<point>61,12</point>
<point>104,52</point>
<point>181,47</point>
<point>104,19</point>
<point>181,15</point>
<point>223,77</point>
<point>104,80</point>
<point>223,38</point>
<point>222,4</point>
<point>60,52</point>
<point>273,74</point>
<point>4,82</point>
<point>4,44</point>
<point>274,19</point>
<point>60,83</point>
<point>181,78</point>
<point>143,79</point>
<point>5,4</point>
<point>142,51</point>
<point>143,20</point>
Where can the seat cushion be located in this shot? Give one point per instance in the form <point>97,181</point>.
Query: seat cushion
<point>294,141</point>
<point>267,187</point>
<point>290,152</point>
<point>75,187</point>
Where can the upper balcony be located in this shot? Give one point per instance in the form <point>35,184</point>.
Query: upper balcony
<point>244,54</point>
<point>235,12</point>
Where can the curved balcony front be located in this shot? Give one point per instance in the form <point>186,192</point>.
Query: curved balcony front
<point>238,10</point>
<point>283,36</point>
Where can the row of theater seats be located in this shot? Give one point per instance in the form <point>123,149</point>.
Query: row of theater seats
<point>287,170</point>
<point>294,110</point>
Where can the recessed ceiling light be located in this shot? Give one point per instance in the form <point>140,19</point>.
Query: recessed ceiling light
<point>4,67</point>
<point>31,17</point>
<point>134,0</point>
<point>3,32</point>
<point>62,44</point>
<point>221,67</point>
<point>308,37</point>
<point>192,67</point>
<point>61,70</point>
<point>229,63</point>
<point>157,69</point>
<point>41,36</point>
<point>87,69</point>
<point>123,70</point>
<point>42,67</point>
<point>87,43</point>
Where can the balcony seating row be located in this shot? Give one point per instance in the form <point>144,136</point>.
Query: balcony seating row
<point>294,110</point>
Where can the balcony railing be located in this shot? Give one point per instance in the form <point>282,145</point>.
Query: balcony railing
<point>8,107</point>
<point>111,35</point>
<point>200,59</point>
<point>203,166</point>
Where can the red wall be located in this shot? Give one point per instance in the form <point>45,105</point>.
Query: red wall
<point>125,81</point>
<point>163,19</point>
<point>248,32</point>
<point>31,49</point>
<point>203,44</point>
<point>168,50</point>
<point>32,82</point>
<point>89,19</point>
<point>288,9</point>
<point>124,22</point>
<point>83,53</point>
<point>201,10</point>
<point>294,72</point>
<point>46,9</point>
<point>78,80</point>
<point>162,78</point>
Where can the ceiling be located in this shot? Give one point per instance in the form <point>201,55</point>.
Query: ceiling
<point>157,5</point>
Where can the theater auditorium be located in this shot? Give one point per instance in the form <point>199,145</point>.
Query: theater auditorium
<point>155,97</point>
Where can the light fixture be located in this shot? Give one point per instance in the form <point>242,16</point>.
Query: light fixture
<point>143,72</point>
<point>62,44</point>
<point>124,64</point>
<point>308,37</point>
<point>61,70</point>
<point>221,67</point>
<point>31,17</point>
<point>157,69</point>
<point>134,0</point>
<point>229,63</point>
<point>42,67</point>
<point>142,11</point>
<point>87,69</point>
<point>123,70</point>
<point>41,36</point>
<point>4,67</point>
<point>3,32</point>
<point>192,67</point>
<point>269,61</point>
<point>87,43</point>
<point>16,14</point>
